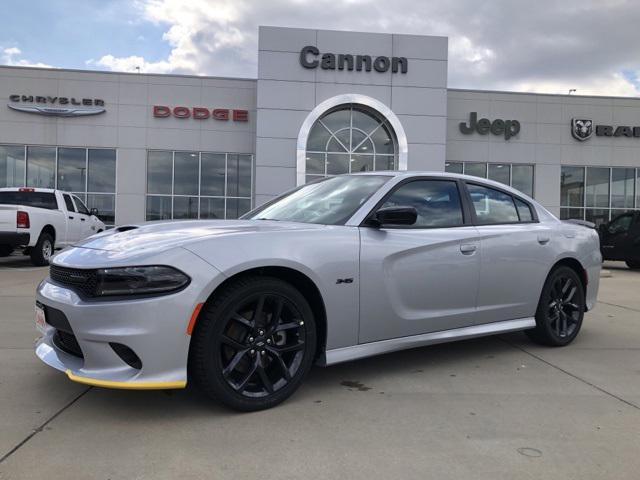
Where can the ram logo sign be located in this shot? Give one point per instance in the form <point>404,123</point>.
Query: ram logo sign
<point>581,129</point>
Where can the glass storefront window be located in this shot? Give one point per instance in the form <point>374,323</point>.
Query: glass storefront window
<point>453,167</point>
<point>158,208</point>
<point>186,173</point>
<point>186,185</point>
<point>12,166</point>
<point>572,186</point>
<point>350,138</point>
<point>517,176</point>
<point>159,172</point>
<point>500,172</point>
<point>600,192</point>
<point>41,167</point>
<point>88,173</point>
<point>72,169</point>
<point>101,168</point>
<point>597,187</point>
<point>213,174</point>
<point>622,187</point>
<point>522,178</point>
<point>476,169</point>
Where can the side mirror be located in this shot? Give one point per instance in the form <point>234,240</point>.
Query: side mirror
<point>94,211</point>
<point>392,216</point>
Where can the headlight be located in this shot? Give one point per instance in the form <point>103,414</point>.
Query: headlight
<point>139,280</point>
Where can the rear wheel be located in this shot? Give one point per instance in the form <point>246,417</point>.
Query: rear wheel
<point>633,264</point>
<point>560,309</point>
<point>43,250</point>
<point>253,344</point>
<point>5,250</point>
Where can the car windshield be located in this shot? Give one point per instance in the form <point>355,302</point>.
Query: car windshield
<point>331,201</point>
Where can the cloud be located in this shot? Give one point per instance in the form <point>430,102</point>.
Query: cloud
<point>9,56</point>
<point>545,46</point>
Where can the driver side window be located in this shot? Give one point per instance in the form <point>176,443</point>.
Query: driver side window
<point>437,202</point>
<point>621,224</point>
<point>81,206</point>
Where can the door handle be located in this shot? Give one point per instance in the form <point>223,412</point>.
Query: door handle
<point>468,248</point>
<point>70,217</point>
<point>82,219</point>
<point>543,239</point>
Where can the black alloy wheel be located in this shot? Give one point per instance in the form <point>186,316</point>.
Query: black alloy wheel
<point>560,309</point>
<point>262,347</point>
<point>254,344</point>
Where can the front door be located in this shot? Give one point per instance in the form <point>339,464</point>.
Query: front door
<point>73,221</point>
<point>616,238</point>
<point>86,225</point>
<point>424,277</point>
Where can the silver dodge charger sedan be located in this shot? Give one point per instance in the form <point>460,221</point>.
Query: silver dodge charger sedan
<point>335,270</point>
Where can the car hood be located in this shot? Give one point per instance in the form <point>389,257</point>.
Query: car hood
<point>156,236</point>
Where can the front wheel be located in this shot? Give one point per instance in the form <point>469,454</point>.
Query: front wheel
<point>633,264</point>
<point>560,309</point>
<point>253,344</point>
<point>43,250</point>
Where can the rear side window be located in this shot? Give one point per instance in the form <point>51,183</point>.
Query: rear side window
<point>492,206</point>
<point>30,199</point>
<point>69,203</point>
<point>436,201</point>
<point>524,210</point>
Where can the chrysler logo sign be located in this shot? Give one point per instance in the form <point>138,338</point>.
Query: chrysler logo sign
<point>582,129</point>
<point>56,106</point>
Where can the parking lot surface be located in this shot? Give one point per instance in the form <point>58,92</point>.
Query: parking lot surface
<point>493,408</point>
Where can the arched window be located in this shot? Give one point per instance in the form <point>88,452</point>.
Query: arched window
<point>350,138</point>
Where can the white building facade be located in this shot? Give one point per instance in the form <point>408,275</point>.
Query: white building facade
<point>147,147</point>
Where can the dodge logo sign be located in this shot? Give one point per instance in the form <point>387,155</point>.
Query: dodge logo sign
<point>581,129</point>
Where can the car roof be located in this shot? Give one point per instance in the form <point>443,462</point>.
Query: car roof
<point>427,173</point>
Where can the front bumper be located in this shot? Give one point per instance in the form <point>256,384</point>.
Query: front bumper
<point>155,329</point>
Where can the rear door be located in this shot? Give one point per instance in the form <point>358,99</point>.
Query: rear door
<point>516,254</point>
<point>424,277</point>
<point>618,239</point>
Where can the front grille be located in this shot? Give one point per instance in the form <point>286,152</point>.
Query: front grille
<point>81,281</point>
<point>67,343</point>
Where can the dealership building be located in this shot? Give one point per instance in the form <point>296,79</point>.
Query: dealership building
<point>146,147</point>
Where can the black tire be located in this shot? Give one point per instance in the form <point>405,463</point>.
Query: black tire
<point>43,250</point>
<point>560,309</point>
<point>250,361</point>
<point>633,264</point>
<point>5,250</point>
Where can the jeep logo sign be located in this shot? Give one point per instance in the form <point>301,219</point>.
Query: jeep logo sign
<point>508,128</point>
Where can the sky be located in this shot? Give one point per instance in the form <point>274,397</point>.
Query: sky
<point>515,45</point>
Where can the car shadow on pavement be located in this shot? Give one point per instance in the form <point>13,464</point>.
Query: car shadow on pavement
<point>364,375</point>
<point>15,261</point>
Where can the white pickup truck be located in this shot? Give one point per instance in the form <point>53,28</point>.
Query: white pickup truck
<point>40,220</point>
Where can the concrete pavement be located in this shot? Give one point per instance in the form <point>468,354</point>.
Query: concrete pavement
<point>494,408</point>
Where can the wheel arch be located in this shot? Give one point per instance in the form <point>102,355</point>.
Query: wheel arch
<point>576,266</point>
<point>50,230</point>
<point>298,280</point>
